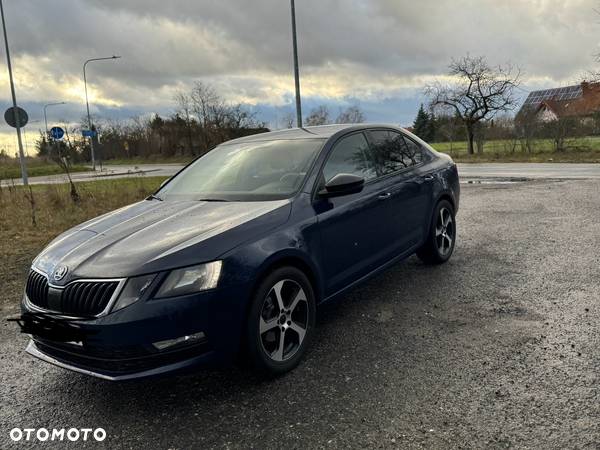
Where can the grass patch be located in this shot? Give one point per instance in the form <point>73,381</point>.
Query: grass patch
<point>151,159</point>
<point>20,241</point>
<point>11,168</point>
<point>578,150</point>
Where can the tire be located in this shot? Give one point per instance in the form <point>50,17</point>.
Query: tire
<point>276,337</point>
<point>440,241</point>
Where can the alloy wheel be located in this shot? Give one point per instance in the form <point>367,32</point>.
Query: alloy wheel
<point>283,320</point>
<point>444,231</point>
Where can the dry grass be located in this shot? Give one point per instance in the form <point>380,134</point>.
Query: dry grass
<point>20,240</point>
<point>10,168</point>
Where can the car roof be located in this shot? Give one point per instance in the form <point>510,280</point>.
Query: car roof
<point>317,132</point>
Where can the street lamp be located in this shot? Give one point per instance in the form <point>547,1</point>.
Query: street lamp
<point>46,117</point>
<point>87,104</point>
<point>296,70</point>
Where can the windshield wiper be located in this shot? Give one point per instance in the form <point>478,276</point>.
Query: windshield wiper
<point>154,197</point>
<point>212,200</point>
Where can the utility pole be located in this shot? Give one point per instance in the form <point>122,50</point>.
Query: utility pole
<point>296,70</point>
<point>14,101</point>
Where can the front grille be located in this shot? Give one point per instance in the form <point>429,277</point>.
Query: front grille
<point>87,298</point>
<point>80,298</point>
<point>37,289</point>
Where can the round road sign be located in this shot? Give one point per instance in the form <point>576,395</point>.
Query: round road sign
<point>22,117</point>
<point>57,133</point>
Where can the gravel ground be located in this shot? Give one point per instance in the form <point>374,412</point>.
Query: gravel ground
<point>497,349</point>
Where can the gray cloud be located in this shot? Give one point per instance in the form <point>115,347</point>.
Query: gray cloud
<point>378,52</point>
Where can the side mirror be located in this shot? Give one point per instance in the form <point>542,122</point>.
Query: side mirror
<point>342,184</point>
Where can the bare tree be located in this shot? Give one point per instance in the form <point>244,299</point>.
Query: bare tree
<point>318,116</point>
<point>352,114</point>
<point>288,120</point>
<point>480,92</point>
<point>448,126</point>
<point>184,110</point>
<point>527,127</point>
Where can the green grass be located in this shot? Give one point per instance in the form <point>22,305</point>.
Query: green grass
<point>21,241</point>
<point>11,168</point>
<point>578,150</point>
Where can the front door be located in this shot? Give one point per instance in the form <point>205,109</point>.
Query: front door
<point>355,229</point>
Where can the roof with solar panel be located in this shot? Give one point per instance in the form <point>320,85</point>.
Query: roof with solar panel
<point>578,100</point>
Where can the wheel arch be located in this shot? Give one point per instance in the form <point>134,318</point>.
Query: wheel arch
<point>293,259</point>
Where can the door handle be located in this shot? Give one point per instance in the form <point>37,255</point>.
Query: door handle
<point>428,177</point>
<point>384,196</point>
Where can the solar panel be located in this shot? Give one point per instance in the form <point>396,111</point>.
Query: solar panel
<point>563,93</point>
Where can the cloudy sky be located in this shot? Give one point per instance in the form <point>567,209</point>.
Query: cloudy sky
<point>375,53</point>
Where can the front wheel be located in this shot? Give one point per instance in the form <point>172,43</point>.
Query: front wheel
<point>440,241</point>
<point>281,321</point>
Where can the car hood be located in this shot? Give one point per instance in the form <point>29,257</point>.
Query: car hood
<point>151,236</point>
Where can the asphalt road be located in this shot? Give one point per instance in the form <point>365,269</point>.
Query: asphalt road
<point>497,348</point>
<point>467,171</point>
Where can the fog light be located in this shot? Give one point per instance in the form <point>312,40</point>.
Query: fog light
<point>182,340</point>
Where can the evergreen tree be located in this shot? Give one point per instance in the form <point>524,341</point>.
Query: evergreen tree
<point>423,125</point>
<point>431,128</point>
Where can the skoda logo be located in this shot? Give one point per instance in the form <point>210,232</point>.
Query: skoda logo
<point>60,273</point>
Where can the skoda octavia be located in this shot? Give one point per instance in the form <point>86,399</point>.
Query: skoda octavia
<point>229,259</point>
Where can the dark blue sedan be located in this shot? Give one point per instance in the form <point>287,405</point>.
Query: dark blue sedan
<point>230,258</point>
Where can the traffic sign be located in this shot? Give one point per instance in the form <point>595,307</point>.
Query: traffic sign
<point>89,133</point>
<point>57,133</point>
<point>22,117</point>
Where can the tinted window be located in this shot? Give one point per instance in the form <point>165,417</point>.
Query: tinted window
<point>391,152</point>
<point>349,156</point>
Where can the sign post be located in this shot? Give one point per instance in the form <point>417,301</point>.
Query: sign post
<point>16,115</point>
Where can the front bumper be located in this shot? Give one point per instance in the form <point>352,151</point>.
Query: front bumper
<point>124,345</point>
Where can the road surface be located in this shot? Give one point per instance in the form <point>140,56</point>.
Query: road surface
<point>498,348</point>
<point>467,171</point>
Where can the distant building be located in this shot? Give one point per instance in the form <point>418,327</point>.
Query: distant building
<point>582,100</point>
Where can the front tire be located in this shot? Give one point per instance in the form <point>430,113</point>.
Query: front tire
<point>281,321</point>
<point>439,246</point>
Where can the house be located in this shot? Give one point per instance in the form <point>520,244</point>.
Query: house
<point>581,100</point>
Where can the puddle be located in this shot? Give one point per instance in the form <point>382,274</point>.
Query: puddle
<point>492,180</point>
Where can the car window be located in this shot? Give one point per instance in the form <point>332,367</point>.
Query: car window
<point>246,171</point>
<point>391,151</point>
<point>349,156</point>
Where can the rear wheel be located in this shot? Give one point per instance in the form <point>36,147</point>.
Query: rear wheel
<point>440,242</point>
<point>281,321</point>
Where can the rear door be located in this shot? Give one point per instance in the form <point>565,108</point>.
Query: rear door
<point>404,162</point>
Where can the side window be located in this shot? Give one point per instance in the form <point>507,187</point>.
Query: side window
<point>392,152</point>
<point>349,156</point>
<point>415,151</point>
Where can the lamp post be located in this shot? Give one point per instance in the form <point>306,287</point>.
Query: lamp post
<point>296,70</point>
<point>14,101</point>
<point>87,104</point>
<point>46,117</point>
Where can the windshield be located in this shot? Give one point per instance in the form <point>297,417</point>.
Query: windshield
<point>268,170</point>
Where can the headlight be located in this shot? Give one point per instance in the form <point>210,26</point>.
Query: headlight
<point>190,279</point>
<point>133,290</point>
